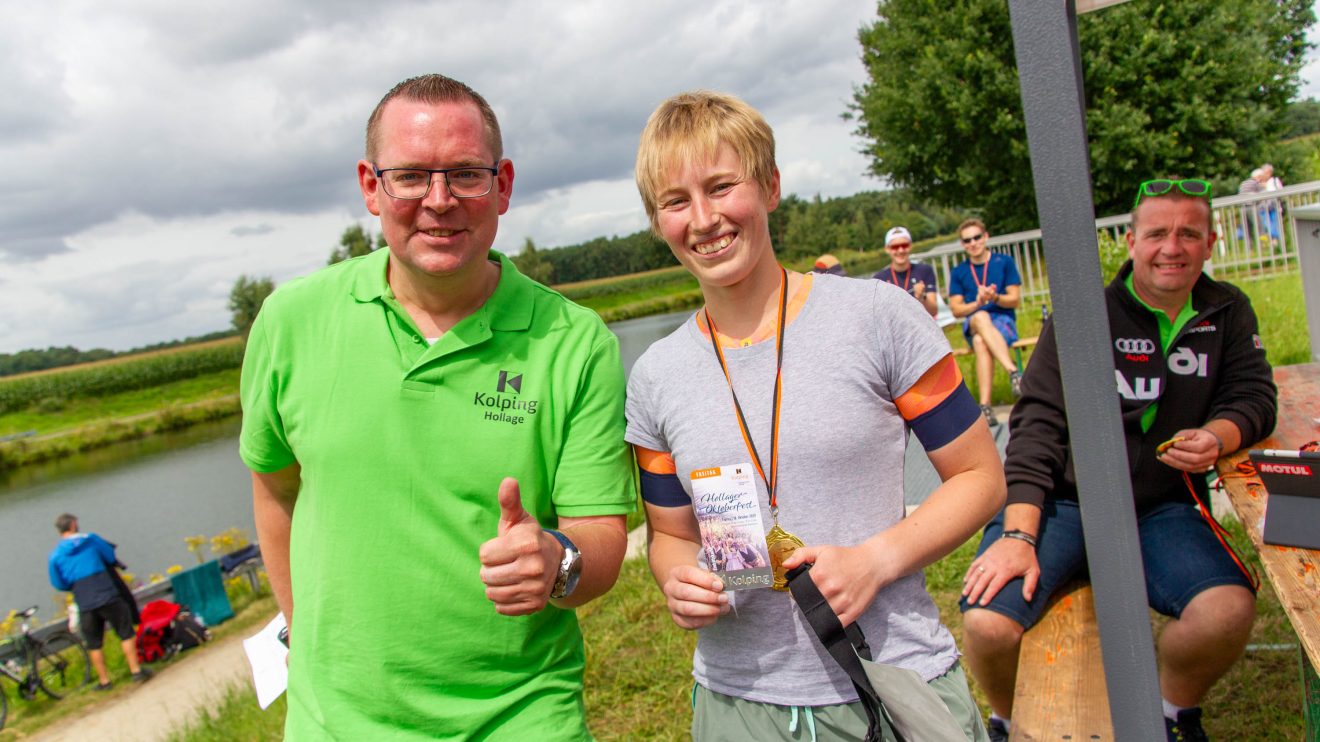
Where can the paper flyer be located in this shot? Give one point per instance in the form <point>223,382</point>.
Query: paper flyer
<point>270,672</point>
<point>732,534</point>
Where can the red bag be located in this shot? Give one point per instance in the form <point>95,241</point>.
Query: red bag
<point>154,629</point>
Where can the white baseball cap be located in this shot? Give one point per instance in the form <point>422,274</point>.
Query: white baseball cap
<point>895,233</point>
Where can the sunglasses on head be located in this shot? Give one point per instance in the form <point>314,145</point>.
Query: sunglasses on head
<point>1194,187</point>
<point>973,238</point>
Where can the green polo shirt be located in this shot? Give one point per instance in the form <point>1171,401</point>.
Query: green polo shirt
<point>1168,331</point>
<point>403,445</point>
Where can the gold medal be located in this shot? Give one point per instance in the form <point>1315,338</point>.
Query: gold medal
<point>782,544</point>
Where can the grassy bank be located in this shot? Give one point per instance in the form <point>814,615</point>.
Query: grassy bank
<point>29,717</point>
<point>50,414</point>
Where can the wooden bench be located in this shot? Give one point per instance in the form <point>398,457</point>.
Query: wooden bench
<point>1060,693</point>
<point>1015,347</point>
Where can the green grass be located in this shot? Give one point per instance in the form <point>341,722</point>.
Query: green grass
<point>238,718</point>
<point>639,667</point>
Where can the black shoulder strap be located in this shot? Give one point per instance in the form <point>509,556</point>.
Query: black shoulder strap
<point>844,643</point>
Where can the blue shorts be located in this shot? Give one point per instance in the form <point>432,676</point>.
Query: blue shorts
<point>1181,555</point>
<point>1006,325</point>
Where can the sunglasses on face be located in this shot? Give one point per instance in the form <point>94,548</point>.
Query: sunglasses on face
<point>973,238</point>
<point>1194,187</point>
<point>901,246</point>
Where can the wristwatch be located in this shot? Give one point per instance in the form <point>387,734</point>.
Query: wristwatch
<point>570,569</point>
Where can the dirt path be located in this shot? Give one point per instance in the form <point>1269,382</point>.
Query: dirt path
<point>151,712</point>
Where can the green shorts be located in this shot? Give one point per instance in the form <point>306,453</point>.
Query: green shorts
<point>717,717</point>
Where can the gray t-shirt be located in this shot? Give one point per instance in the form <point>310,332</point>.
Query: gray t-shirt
<point>853,349</point>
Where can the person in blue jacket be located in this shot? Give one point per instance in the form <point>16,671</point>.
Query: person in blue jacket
<point>85,563</point>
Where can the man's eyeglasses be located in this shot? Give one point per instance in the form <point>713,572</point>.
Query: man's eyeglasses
<point>900,246</point>
<point>973,238</point>
<point>1194,187</point>
<point>414,183</point>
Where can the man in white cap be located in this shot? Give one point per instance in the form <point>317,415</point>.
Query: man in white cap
<point>916,279</point>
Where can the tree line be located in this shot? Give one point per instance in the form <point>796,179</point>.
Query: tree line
<point>799,227</point>
<point>1197,88</point>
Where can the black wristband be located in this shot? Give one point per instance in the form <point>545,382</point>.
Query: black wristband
<point>1020,536</point>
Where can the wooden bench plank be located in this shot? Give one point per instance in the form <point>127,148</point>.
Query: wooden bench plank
<point>1019,345</point>
<point>1060,692</point>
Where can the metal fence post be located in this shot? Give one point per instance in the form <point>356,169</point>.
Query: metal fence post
<point>1050,75</point>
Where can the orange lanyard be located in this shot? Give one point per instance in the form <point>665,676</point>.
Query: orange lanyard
<point>771,480</point>
<point>893,277</point>
<point>985,274</point>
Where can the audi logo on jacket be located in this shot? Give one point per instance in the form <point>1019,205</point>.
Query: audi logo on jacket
<point>1215,369</point>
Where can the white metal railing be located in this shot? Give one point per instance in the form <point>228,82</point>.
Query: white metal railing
<point>1255,234</point>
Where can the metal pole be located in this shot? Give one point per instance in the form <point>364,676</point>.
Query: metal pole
<point>1050,75</point>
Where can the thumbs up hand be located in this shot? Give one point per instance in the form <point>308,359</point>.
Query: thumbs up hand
<point>520,564</point>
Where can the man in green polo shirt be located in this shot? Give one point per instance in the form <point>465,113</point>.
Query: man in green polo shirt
<point>439,471</point>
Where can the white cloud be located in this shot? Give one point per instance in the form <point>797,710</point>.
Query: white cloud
<point>156,151</point>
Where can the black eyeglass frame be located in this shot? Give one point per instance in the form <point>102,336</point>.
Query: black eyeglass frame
<point>973,238</point>
<point>430,183</point>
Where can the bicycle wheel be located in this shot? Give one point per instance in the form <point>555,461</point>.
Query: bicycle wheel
<point>62,664</point>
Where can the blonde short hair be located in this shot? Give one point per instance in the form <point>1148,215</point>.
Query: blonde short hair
<point>972,222</point>
<point>692,126</point>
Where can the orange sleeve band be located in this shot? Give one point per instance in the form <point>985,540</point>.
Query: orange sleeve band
<point>934,386</point>
<point>655,462</point>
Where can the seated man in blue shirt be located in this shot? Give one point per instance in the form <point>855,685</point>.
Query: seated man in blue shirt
<point>84,563</point>
<point>985,291</point>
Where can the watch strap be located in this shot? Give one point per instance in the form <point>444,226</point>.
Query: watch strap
<point>570,567</point>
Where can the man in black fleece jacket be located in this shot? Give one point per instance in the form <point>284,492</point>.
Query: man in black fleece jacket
<point>1190,368</point>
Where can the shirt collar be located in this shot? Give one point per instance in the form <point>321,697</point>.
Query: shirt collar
<point>509,308</point>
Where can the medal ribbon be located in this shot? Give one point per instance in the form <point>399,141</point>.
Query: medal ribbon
<point>893,277</point>
<point>985,274</point>
<point>771,480</point>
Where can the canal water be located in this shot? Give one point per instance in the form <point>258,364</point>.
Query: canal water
<point>148,495</point>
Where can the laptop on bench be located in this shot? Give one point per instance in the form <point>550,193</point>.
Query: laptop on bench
<point>1292,512</point>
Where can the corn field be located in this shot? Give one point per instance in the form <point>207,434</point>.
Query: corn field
<point>120,375</point>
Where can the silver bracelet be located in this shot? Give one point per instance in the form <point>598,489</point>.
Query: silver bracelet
<point>1020,536</point>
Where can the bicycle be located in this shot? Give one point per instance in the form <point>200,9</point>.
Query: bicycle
<point>50,663</point>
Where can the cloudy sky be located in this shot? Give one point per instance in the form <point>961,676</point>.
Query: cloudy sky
<point>159,150</point>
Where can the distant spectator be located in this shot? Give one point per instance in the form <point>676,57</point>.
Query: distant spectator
<point>85,563</point>
<point>1273,208</point>
<point>984,291</point>
<point>918,280</point>
<point>829,264</point>
<point>1260,213</point>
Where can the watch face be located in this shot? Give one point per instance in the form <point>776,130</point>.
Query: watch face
<point>570,569</point>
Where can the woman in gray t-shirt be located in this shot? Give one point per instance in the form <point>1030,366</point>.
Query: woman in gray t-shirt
<point>840,370</point>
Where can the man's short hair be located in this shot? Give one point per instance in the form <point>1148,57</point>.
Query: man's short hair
<point>1178,194</point>
<point>435,88</point>
<point>66,522</point>
<point>972,222</point>
<point>692,126</point>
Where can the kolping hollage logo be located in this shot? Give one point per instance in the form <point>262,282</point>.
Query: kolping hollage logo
<point>504,404</point>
